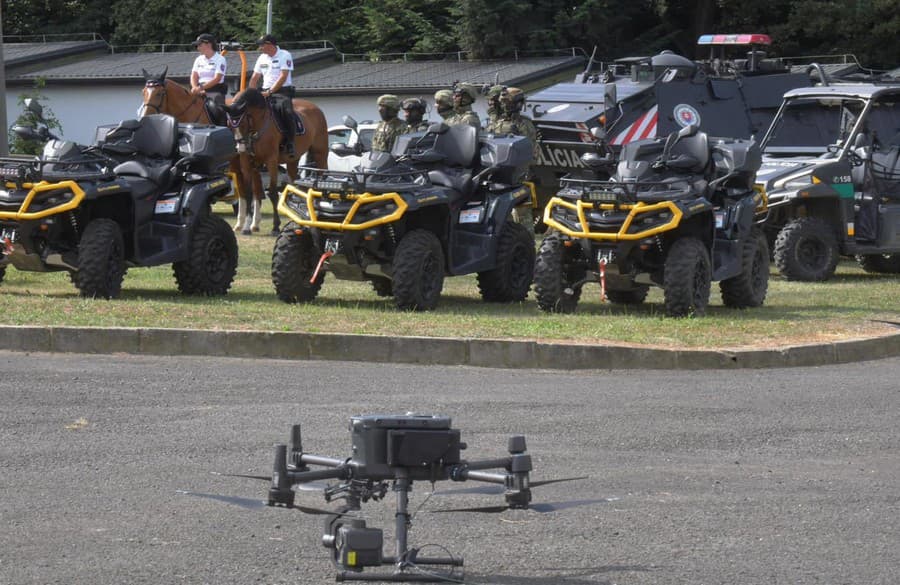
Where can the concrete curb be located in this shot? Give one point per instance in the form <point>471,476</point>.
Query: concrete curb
<point>497,353</point>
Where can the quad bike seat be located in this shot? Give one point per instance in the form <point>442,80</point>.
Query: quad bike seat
<point>459,180</point>
<point>157,172</point>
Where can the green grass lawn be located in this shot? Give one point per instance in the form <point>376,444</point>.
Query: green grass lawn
<point>849,305</point>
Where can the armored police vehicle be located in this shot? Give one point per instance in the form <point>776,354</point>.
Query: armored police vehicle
<point>649,97</point>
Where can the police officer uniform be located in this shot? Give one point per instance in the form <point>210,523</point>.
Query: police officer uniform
<point>207,68</point>
<point>270,68</point>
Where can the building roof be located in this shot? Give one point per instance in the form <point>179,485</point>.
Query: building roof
<point>128,67</point>
<point>414,76</point>
<point>17,55</point>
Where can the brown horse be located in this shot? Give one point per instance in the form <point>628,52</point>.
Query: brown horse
<point>164,96</point>
<point>259,138</point>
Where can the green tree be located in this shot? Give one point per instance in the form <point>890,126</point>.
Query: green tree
<point>142,22</point>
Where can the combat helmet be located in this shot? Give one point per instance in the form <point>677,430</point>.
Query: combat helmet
<point>389,101</point>
<point>466,92</point>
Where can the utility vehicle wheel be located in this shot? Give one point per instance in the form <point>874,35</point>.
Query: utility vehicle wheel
<point>511,278</point>
<point>634,296</point>
<point>687,278</point>
<point>555,270</point>
<point>212,259</point>
<point>101,260</point>
<point>418,271</point>
<point>880,263</point>
<point>806,249</point>
<point>294,261</point>
<point>748,289</point>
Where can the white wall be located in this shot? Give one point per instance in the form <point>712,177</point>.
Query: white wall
<point>80,109</point>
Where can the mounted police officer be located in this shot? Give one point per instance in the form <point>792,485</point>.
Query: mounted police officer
<point>208,72</point>
<point>414,111</point>
<point>275,66</point>
<point>464,96</point>
<point>443,103</point>
<point>390,127</point>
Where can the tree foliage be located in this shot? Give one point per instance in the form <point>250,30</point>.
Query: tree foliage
<point>20,145</point>
<point>483,28</point>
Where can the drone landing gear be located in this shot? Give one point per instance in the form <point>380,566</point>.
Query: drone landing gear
<point>357,546</point>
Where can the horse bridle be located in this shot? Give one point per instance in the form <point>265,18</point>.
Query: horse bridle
<point>251,137</point>
<point>153,83</point>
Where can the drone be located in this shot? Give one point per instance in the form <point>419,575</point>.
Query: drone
<point>390,452</point>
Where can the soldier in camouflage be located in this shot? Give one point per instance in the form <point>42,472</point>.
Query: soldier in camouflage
<point>414,111</point>
<point>494,108</point>
<point>463,97</point>
<point>443,103</point>
<point>390,127</point>
<point>511,121</point>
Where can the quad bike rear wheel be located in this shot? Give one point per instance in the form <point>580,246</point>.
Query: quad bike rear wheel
<point>418,271</point>
<point>510,280</point>
<point>101,260</point>
<point>212,259</point>
<point>880,263</point>
<point>687,278</point>
<point>749,288</point>
<point>294,261</point>
<point>555,270</point>
<point>806,249</point>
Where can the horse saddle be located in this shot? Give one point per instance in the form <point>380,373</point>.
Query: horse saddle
<point>215,109</point>
<point>285,116</point>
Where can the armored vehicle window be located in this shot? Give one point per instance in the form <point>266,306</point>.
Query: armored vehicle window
<point>809,125</point>
<point>339,136</point>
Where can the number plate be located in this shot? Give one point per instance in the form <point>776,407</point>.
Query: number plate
<point>8,234</point>
<point>166,206</point>
<point>470,215</point>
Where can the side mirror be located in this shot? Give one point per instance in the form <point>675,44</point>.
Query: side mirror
<point>33,106</point>
<point>349,122</point>
<point>610,97</point>
<point>598,133</point>
<point>688,130</point>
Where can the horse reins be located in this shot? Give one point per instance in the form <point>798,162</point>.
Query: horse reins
<point>234,124</point>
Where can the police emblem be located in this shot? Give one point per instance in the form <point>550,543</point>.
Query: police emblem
<point>686,115</point>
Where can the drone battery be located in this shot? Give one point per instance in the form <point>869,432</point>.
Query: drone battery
<point>360,547</point>
<point>422,448</point>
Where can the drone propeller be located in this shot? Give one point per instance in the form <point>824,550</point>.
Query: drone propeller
<point>499,489</point>
<point>305,487</point>
<point>539,507</point>
<point>251,504</point>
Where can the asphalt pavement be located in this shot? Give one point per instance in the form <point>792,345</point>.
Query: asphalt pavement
<point>783,475</point>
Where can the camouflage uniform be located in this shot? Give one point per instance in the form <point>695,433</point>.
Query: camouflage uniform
<point>390,127</point>
<point>463,97</point>
<point>414,109</point>
<point>513,122</point>
<point>443,103</point>
<point>494,108</point>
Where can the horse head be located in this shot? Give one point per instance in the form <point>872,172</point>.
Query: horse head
<point>154,91</point>
<point>246,106</point>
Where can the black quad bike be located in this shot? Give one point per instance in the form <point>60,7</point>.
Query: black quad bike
<point>439,204</point>
<point>678,213</point>
<point>141,196</point>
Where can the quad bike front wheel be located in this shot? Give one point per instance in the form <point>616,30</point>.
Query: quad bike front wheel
<point>687,278</point>
<point>806,249</point>
<point>212,259</point>
<point>555,270</point>
<point>880,263</point>
<point>510,280</point>
<point>101,260</point>
<point>749,288</point>
<point>294,261</point>
<point>418,271</point>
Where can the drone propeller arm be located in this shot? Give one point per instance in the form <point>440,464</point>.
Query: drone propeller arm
<point>487,464</point>
<point>316,474</point>
<point>484,476</point>
<point>310,459</point>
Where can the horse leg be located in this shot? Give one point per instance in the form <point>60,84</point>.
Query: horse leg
<point>273,192</point>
